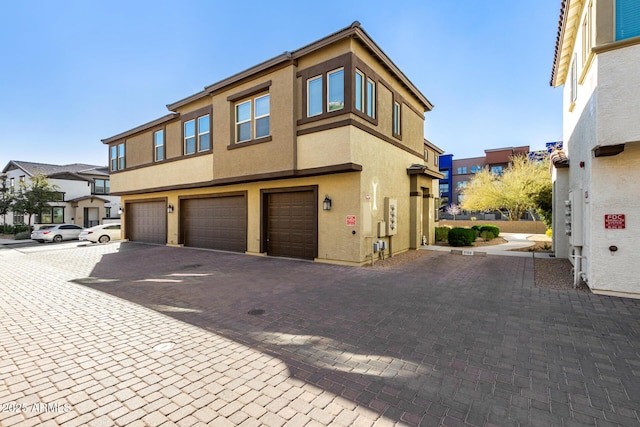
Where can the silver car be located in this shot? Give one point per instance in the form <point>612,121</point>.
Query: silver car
<point>56,233</point>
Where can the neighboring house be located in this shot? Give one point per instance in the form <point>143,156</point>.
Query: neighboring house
<point>315,154</point>
<point>82,193</point>
<point>596,173</point>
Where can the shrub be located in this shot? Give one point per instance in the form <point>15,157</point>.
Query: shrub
<point>490,229</point>
<point>549,233</point>
<point>487,235</point>
<point>23,235</point>
<point>442,233</point>
<point>459,236</point>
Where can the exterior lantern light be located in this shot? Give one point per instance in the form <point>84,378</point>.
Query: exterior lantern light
<point>170,208</point>
<point>326,204</point>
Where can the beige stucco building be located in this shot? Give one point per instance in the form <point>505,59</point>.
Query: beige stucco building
<point>596,208</point>
<point>312,154</point>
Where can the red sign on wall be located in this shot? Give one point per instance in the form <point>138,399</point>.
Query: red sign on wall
<point>351,220</point>
<point>615,221</point>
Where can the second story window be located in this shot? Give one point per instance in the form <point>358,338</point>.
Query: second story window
<point>462,170</point>
<point>371,99</point>
<point>574,79</point>
<point>12,185</point>
<point>158,145</point>
<point>396,120</point>
<point>121,162</point>
<point>101,186</point>
<point>253,118</point>
<point>204,133</point>
<point>314,96</point>
<point>335,90</point>
<point>116,157</point>
<point>359,91</point>
<point>197,134</point>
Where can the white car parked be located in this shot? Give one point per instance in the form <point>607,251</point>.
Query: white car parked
<point>56,233</point>
<point>101,233</point>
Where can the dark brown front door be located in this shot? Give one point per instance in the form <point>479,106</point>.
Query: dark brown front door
<point>146,222</point>
<point>292,224</point>
<point>215,223</point>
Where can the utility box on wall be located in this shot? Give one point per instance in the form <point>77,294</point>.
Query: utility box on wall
<point>391,215</point>
<point>382,229</point>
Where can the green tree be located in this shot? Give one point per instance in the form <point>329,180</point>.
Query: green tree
<point>32,198</point>
<point>544,205</point>
<point>514,191</point>
<point>5,205</point>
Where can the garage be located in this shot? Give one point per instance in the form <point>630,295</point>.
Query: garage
<point>215,222</point>
<point>292,223</point>
<point>146,221</point>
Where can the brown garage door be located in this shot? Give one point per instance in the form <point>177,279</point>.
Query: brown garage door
<point>146,222</point>
<point>215,223</point>
<point>292,224</point>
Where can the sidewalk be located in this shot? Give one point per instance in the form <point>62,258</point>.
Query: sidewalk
<point>514,241</point>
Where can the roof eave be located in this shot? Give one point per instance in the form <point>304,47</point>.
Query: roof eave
<point>570,12</point>
<point>153,123</point>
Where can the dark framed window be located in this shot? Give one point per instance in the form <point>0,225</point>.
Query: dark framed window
<point>52,215</point>
<point>314,96</point>
<point>101,186</point>
<point>335,90</point>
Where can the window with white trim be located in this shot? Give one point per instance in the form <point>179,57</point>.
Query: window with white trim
<point>204,133</point>
<point>253,118</point>
<point>158,145</point>
<point>116,157</point>
<point>574,79</point>
<point>121,162</point>
<point>197,134</point>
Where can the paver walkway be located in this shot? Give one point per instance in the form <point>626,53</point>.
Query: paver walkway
<point>446,340</point>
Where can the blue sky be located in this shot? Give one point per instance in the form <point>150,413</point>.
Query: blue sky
<point>76,72</point>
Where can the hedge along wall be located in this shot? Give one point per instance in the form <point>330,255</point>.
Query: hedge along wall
<point>527,227</point>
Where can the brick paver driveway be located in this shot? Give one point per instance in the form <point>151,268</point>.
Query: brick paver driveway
<point>446,340</point>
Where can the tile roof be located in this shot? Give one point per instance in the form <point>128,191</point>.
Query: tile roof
<point>47,169</point>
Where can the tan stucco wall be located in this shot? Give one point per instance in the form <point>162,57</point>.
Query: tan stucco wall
<point>139,150</point>
<point>186,171</point>
<point>271,156</point>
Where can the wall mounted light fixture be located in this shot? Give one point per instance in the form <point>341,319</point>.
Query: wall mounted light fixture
<point>326,204</point>
<point>120,210</point>
<point>169,208</point>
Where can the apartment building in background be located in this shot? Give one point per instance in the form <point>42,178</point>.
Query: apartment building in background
<point>458,173</point>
